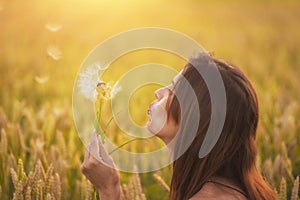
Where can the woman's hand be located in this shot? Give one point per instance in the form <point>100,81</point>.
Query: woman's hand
<point>99,168</point>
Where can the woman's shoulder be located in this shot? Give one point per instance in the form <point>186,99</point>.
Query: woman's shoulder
<point>219,189</point>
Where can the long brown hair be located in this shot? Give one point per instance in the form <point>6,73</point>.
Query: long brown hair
<point>233,156</point>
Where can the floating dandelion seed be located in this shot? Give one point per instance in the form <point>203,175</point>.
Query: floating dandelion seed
<point>39,144</point>
<point>41,79</point>
<point>53,27</point>
<point>54,52</point>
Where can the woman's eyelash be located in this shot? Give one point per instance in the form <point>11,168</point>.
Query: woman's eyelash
<point>170,91</point>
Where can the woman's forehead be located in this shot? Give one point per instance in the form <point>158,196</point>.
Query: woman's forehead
<point>177,77</point>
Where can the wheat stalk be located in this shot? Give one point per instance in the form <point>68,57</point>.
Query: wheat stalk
<point>124,189</point>
<point>28,193</point>
<point>18,194</point>
<point>161,182</point>
<point>21,173</point>
<point>88,191</point>
<point>138,187</point>
<point>49,179</point>
<point>14,177</point>
<point>130,190</point>
<point>83,187</point>
<point>49,197</point>
<point>29,181</point>
<point>3,143</point>
<point>295,189</point>
<point>57,187</point>
<point>122,194</point>
<point>282,190</point>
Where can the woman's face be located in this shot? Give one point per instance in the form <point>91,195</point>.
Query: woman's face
<point>158,123</point>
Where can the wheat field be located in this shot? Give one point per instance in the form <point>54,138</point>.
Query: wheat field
<point>44,43</point>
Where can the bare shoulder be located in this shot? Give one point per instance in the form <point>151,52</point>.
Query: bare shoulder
<point>212,191</point>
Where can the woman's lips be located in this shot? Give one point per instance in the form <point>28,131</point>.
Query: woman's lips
<point>149,109</point>
<point>149,112</point>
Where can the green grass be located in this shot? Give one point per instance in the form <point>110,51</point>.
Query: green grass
<point>36,122</point>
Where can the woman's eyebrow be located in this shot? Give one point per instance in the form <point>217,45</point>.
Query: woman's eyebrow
<point>172,86</point>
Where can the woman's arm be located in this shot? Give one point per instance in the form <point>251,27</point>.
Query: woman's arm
<point>99,168</point>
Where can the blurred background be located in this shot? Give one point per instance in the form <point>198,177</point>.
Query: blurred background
<point>44,43</point>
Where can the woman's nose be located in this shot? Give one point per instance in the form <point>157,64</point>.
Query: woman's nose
<point>158,93</point>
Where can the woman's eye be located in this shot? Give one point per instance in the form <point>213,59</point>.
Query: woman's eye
<point>170,88</point>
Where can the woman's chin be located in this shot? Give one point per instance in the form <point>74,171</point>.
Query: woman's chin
<point>149,127</point>
<point>153,128</point>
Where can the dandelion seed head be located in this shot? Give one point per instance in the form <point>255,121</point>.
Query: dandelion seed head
<point>54,52</point>
<point>102,67</point>
<point>88,81</point>
<point>53,27</point>
<point>115,90</point>
<point>91,85</point>
<point>103,90</point>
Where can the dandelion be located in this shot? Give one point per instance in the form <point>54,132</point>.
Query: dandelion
<point>103,91</point>
<point>53,27</point>
<point>54,52</point>
<point>96,90</point>
<point>115,90</point>
<point>93,88</point>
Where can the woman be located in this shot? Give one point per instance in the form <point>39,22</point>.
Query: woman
<point>228,171</point>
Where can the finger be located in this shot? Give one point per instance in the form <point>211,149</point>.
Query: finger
<point>86,156</point>
<point>85,161</point>
<point>104,155</point>
<point>94,146</point>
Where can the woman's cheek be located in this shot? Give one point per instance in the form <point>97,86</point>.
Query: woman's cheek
<point>158,120</point>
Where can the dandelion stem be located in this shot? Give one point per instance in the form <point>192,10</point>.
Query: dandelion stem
<point>98,121</point>
<point>129,141</point>
<point>109,121</point>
